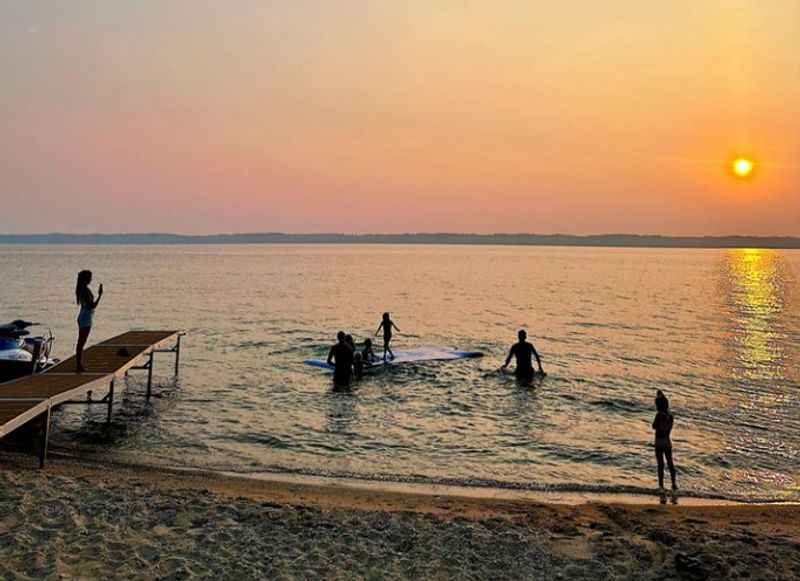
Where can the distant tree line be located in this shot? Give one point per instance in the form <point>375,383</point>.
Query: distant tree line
<point>618,240</point>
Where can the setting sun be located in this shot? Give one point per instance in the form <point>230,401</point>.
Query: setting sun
<point>743,167</point>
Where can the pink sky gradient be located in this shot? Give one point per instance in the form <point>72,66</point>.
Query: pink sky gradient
<point>514,116</point>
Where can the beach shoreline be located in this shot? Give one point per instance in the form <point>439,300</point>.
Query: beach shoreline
<point>325,489</point>
<point>77,517</point>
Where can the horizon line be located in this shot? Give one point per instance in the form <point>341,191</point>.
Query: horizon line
<point>420,238</point>
<point>384,234</point>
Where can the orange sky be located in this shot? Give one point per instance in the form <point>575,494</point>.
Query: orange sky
<point>507,116</point>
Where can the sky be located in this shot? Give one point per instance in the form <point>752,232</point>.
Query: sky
<point>199,116</point>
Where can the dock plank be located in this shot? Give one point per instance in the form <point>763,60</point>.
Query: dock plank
<point>14,414</point>
<point>45,386</point>
<point>139,338</point>
<point>9,410</point>
<point>102,359</point>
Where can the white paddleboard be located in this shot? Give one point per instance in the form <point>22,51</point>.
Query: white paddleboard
<point>401,356</point>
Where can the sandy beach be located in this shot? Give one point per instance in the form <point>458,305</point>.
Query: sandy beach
<point>89,521</point>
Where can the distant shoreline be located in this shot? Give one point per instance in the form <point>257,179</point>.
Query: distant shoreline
<point>603,240</point>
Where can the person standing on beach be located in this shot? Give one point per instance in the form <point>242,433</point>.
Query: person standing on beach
<point>87,302</point>
<point>524,353</point>
<point>662,424</point>
<point>386,325</point>
<point>341,357</point>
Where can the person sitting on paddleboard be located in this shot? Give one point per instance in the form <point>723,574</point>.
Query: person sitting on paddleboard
<point>524,353</point>
<point>386,325</point>
<point>367,354</point>
<point>341,358</point>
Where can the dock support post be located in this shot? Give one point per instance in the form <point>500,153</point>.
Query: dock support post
<point>177,355</point>
<point>45,437</point>
<point>110,401</point>
<point>37,354</point>
<point>150,375</point>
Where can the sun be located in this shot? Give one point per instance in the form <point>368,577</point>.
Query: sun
<point>742,167</point>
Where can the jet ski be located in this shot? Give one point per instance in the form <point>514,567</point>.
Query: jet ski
<point>21,354</point>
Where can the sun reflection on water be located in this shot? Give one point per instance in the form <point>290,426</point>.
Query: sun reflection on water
<point>757,288</point>
<point>761,362</point>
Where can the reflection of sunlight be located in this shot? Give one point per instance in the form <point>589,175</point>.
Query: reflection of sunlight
<point>756,293</point>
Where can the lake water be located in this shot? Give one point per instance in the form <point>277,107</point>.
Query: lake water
<point>717,330</point>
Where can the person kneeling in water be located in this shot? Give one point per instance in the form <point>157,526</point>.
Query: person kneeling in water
<point>367,354</point>
<point>524,353</point>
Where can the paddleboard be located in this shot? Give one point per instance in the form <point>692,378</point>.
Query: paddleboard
<point>401,356</point>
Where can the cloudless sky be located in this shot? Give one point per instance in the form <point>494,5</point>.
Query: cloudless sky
<point>199,116</point>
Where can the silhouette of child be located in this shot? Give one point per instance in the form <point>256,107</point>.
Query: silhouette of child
<point>368,355</point>
<point>386,325</point>
<point>662,424</point>
<point>358,366</point>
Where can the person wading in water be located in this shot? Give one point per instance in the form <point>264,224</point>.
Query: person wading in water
<point>524,353</point>
<point>341,357</point>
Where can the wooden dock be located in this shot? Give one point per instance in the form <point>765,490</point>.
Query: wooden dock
<point>33,398</point>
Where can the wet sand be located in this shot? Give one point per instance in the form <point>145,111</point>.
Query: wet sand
<point>99,521</point>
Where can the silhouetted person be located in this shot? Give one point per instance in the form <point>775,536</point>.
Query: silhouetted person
<point>386,325</point>
<point>87,302</point>
<point>367,354</point>
<point>358,365</point>
<point>341,357</point>
<point>524,353</point>
<point>662,424</point>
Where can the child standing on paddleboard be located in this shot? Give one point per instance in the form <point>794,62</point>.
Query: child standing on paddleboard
<point>386,325</point>
<point>662,424</point>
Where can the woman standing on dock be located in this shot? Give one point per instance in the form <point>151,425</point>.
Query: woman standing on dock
<point>85,298</point>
